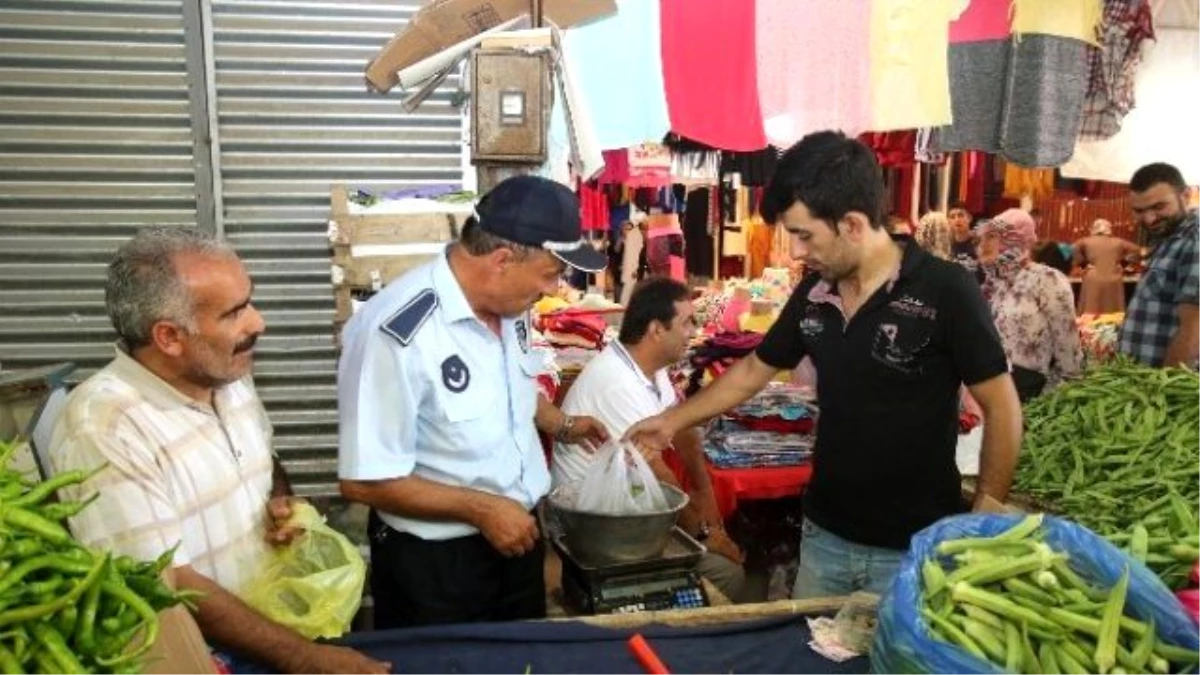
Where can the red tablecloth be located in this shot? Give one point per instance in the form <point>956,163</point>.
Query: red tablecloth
<point>732,485</point>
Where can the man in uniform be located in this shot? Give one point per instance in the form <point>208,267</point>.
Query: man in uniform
<point>892,331</point>
<point>1162,323</point>
<point>437,407</point>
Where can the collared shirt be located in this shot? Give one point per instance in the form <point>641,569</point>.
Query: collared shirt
<point>1172,278</point>
<point>887,384</point>
<point>178,471</point>
<point>613,389</point>
<point>427,389</point>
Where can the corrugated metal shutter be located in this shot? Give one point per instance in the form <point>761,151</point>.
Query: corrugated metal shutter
<point>95,141</point>
<point>294,118</point>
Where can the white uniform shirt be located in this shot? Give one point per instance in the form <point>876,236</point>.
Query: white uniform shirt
<point>614,390</point>
<point>426,389</point>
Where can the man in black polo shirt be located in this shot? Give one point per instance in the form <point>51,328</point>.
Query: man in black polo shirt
<point>892,332</point>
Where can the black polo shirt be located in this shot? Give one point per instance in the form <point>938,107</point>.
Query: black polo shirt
<point>887,386</point>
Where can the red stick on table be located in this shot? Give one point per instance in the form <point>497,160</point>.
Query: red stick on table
<point>645,655</point>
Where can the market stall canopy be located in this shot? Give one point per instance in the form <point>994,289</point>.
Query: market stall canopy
<point>442,24</point>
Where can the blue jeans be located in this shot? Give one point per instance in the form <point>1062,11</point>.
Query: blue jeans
<point>831,566</point>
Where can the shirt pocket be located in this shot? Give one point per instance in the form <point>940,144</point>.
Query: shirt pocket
<point>467,404</point>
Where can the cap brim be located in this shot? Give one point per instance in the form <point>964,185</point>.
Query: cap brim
<point>584,258</point>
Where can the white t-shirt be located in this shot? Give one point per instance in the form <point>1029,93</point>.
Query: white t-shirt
<point>614,390</point>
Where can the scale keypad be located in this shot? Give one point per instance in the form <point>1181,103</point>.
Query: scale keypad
<point>688,598</point>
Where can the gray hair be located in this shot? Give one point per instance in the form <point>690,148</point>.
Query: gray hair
<point>143,285</point>
<point>477,241</point>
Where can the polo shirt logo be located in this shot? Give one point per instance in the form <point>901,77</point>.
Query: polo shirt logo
<point>906,305</point>
<point>813,324</point>
<point>895,349</point>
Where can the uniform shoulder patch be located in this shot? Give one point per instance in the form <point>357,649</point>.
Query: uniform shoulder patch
<point>404,324</point>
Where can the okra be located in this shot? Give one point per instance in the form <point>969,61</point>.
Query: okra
<point>1068,663</point>
<point>1012,646</point>
<point>964,592</point>
<point>1110,626</point>
<point>985,638</point>
<point>954,633</point>
<point>1049,659</point>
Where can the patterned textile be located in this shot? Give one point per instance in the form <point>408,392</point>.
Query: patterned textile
<point>1034,310</point>
<point>1032,304</point>
<point>1172,277</point>
<point>1113,66</point>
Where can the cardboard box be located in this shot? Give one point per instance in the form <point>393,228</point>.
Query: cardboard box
<point>444,23</point>
<point>180,647</point>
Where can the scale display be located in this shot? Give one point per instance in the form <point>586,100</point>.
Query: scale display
<point>619,595</point>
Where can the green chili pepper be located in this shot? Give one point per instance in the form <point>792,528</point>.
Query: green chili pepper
<point>55,646</point>
<point>32,522</point>
<point>21,614</point>
<point>144,611</point>
<point>48,487</point>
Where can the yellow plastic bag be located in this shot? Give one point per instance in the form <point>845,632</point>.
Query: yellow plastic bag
<point>314,585</point>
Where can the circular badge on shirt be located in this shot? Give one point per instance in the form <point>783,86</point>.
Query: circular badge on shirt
<point>455,375</point>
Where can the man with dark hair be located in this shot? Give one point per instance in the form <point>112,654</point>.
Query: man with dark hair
<point>962,249</point>
<point>892,332</point>
<point>1161,323</point>
<point>439,413</point>
<point>627,381</point>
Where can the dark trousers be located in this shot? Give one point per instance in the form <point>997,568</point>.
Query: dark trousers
<point>415,582</point>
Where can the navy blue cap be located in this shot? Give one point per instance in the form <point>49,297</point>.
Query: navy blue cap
<point>541,213</point>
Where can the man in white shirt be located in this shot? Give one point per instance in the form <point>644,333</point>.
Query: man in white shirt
<point>627,382</point>
<point>187,444</point>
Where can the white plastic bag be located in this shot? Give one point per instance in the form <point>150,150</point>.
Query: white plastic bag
<point>620,482</point>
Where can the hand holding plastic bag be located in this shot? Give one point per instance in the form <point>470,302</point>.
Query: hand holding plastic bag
<point>620,482</point>
<point>314,585</point>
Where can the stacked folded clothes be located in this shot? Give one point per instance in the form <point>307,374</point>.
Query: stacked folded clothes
<point>774,428</point>
<point>712,357</point>
<point>574,329</point>
<point>732,446</point>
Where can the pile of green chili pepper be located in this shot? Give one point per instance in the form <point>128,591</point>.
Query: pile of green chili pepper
<point>63,607</point>
<point>1117,451</point>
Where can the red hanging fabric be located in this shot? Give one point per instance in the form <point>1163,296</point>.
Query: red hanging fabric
<point>709,71</point>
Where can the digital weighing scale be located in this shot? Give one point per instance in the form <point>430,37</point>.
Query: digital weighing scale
<point>669,581</point>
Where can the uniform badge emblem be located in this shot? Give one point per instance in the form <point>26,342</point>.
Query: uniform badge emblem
<point>522,335</point>
<point>455,375</point>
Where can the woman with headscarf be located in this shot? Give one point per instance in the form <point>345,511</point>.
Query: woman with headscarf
<point>1032,304</point>
<point>1102,256</point>
<point>934,234</point>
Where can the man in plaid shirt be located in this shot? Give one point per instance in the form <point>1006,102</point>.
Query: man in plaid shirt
<point>1161,324</point>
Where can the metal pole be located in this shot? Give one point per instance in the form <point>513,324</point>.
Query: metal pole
<point>202,100</point>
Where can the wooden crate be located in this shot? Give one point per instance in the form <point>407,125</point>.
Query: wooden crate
<point>367,251</point>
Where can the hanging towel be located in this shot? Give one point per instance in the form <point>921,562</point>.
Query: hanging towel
<point>1075,19</point>
<point>708,55</point>
<point>813,67</point>
<point>618,63</point>
<point>910,83</point>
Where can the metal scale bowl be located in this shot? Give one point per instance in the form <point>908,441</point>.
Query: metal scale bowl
<point>629,563</point>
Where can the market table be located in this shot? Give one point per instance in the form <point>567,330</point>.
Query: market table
<point>732,485</point>
<point>767,638</point>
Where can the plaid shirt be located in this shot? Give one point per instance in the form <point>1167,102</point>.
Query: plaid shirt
<point>1172,278</point>
<point>178,471</point>
<point>1112,67</point>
